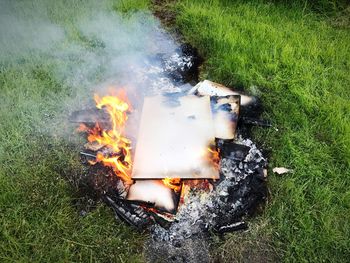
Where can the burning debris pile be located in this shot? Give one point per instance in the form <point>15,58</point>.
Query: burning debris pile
<point>240,188</point>
<point>188,172</point>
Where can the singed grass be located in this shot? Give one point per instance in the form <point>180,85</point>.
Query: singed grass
<point>299,65</point>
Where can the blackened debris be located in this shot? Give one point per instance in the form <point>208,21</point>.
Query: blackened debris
<point>133,214</point>
<point>231,227</point>
<point>256,122</point>
<point>88,155</point>
<point>234,151</point>
<point>249,117</point>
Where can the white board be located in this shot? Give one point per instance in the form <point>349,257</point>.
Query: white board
<point>173,139</point>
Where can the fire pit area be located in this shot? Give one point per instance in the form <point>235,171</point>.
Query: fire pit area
<point>179,163</point>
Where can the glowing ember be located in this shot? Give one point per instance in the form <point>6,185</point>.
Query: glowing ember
<point>119,154</point>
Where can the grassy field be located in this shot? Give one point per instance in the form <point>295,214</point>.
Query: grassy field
<point>41,48</point>
<point>298,62</point>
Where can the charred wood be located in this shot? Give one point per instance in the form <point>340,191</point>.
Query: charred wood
<point>231,227</point>
<point>89,155</point>
<point>132,214</point>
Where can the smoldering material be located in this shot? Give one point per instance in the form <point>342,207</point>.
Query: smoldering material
<point>240,189</point>
<point>88,155</point>
<point>115,47</point>
<point>133,214</point>
<point>234,151</point>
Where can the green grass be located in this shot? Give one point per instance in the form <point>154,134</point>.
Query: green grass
<point>41,48</point>
<point>299,64</point>
<point>291,57</point>
<point>327,7</point>
<point>129,6</point>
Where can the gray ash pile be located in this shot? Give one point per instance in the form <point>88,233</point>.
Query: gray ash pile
<point>240,190</point>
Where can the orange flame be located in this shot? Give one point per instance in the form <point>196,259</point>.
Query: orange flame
<point>173,183</point>
<point>120,147</point>
<point>213,157</point>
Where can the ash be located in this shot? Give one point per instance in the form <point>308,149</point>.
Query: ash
<point>240,190</point>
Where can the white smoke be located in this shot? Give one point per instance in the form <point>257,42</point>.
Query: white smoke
<point>87,47</point>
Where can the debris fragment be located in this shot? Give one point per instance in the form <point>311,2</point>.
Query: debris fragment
<point>256,122</point>
<point>225,110</point>
<point>156,192</point>
<point>234,151</point>
<point>232,227</point>
<point>210,88</point>
<point>93,146</point>
<point>130,213</point>
<point>281,170</point>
